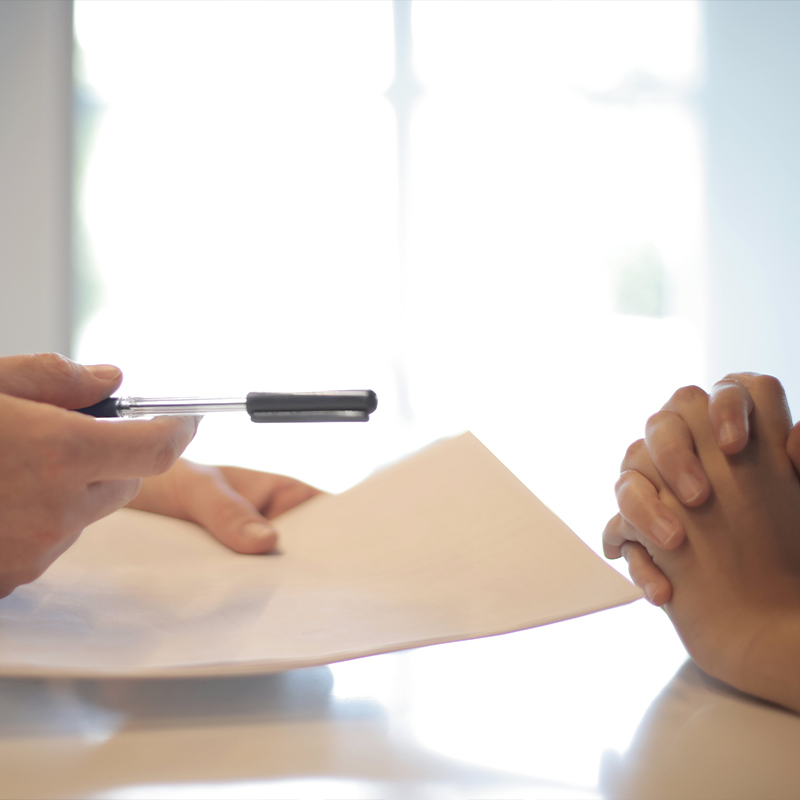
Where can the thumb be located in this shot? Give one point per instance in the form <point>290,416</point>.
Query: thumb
<point>211,502</point>
<point>52,378</point>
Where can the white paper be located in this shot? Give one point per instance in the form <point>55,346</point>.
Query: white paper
<point>442,546</point>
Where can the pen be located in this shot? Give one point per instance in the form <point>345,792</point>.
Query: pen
<point>348,406</point>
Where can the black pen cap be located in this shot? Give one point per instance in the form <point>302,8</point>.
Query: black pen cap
<point>365,401</point>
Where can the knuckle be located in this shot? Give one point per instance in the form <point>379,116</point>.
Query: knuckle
<point>626,494</point>
<point>689,395</point>
<point>57,366</point>
<point>175,438</point>
<point>637,569</point>
<point>638,576</point>
<point>632,454</point>
<point>613,537</point>
<point>726,397</point>
<point>659,418</point>
<point>769,385</point>
<point>741,377</point>
<point>634,448</point>
<point>653,420</point>
<point>611,551</point>
<point>167,454</point>
<point>728,382</point>
<point>610,532</point>
<point>162,460</point>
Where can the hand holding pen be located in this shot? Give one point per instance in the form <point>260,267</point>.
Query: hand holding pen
<point>61,471</point>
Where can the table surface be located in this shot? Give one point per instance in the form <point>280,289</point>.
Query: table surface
<point>602,706</point>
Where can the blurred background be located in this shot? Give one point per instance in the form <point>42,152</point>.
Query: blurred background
<point>532,220</point>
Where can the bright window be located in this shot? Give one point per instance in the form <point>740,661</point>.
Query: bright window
<point>240,212</point>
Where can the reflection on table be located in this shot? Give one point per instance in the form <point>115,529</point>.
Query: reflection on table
<point>603,706</point>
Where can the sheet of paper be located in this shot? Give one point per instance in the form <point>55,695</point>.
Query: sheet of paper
<point>442,546</point>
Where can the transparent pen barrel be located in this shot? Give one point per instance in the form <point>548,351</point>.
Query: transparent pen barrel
<point>147,406</point>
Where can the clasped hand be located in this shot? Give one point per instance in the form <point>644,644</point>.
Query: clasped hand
<point>61,471</point>
<point>709,523</point>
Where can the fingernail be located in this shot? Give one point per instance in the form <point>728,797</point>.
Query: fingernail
<point>258,531</point>
<point>729,433</point>
<point>689,487</point>
<point>663,530</point>
<point>650,590</point>
<point>105,372</point>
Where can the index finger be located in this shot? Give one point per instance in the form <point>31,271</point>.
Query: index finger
<point>117,449</point>
<point>770,417</point>
<point>729,407</point>
<point>671,447</point>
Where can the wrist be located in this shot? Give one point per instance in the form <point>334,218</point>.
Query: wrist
<point>771,667</point>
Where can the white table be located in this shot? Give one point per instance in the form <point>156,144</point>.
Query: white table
<point>603,706</point>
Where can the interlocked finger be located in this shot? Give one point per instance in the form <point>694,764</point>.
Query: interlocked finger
<point>646,575</point>
<point>640,506</point>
